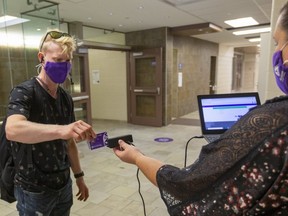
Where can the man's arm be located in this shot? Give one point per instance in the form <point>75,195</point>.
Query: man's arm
<point>19,129</point>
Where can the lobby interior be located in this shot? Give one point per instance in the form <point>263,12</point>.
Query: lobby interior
<point>113,184</point>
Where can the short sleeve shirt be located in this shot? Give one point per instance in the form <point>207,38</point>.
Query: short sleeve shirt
<point>50,159</point>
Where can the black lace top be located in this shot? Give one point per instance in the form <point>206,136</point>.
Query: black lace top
<point>245,172</point>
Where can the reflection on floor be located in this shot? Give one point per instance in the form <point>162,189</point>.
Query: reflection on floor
<point>113,184</point>
<point>186,121</point>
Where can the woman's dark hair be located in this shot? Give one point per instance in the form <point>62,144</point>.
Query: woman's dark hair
<point>284,17</point>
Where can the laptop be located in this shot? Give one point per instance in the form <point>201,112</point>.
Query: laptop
<point>218,112</point>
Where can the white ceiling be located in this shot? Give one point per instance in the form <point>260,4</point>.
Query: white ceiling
<point>110,14</point>
<point>134,15</point>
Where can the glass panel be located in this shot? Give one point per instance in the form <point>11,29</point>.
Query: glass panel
<point>76,83</point>
<point>145,106</point>
<point>40,20</point>
<point>103,35</point>
<point>145,72</point>
<point>80,110</point>
<point>19,41</point>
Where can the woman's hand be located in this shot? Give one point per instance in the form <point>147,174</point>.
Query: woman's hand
<point>127,153</point>
<point>130,154</point>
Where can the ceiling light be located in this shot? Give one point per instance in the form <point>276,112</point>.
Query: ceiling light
<point>252,31</point>
<point>11,20</point>
<point>180,2</point>
<point>241,22</point>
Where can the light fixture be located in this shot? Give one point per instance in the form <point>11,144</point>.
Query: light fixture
<point>11,20</point>
<point>252,31</point>
<point>176,3</point>
<point>241,22</point>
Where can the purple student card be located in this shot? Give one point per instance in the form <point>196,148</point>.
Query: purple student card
<point>99,141</point>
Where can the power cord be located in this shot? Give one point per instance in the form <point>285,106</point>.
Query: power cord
<point>139,191</point>
<point>139,184</point>
<point>186,147</point>
<point>138,170</point>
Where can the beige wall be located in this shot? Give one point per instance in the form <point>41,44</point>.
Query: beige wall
<point>108,97</point>
<point>224,69</point>
<point>250,72</point>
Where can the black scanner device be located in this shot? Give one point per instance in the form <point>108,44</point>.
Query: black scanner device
<point>113,142</point>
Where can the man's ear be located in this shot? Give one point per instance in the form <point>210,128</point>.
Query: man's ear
<point>40,57</point>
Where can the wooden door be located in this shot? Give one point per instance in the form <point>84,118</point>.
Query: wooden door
<point>145,87</point>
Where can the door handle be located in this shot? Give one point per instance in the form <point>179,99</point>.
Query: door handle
<point>138,90</point>
<point>158,90</point>
<point>152,91</point>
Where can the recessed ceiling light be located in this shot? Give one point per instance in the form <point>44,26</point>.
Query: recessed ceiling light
<point>252,31</point>
<point>11,20</point>
<point>181,2</point>
<point>76,1</point>
<point>241,22</point>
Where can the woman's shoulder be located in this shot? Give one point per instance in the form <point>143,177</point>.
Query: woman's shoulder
<point>277,99</point>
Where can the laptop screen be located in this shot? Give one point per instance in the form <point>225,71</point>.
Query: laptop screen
<point>220,111</point>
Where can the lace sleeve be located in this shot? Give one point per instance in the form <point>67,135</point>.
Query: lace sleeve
<point>217,159</point>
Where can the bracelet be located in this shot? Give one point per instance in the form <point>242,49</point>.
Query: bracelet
<point>78,175</point>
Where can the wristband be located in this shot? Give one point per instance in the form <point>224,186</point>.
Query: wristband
<point>78,175</point>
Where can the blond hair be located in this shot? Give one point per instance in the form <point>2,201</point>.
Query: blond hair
<point>66,42</point>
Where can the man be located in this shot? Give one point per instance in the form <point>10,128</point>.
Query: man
<point>41,123</point>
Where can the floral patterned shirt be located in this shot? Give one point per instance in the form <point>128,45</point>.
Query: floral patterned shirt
<point>245,172</point>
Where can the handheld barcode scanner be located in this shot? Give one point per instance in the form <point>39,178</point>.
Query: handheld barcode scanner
<point>113,142</point>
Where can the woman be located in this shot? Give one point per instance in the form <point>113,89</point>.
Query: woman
<point>242,173</point>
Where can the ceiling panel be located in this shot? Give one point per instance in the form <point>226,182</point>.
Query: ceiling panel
<point>218,11</point>
<point>110,14</point>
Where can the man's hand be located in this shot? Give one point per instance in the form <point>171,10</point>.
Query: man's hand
<point>78,130</point>
<point>83,191</point>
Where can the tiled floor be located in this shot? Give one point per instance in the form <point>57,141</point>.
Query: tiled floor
<point>113,184</point>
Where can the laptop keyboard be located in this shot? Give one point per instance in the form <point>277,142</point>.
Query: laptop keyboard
<point>211,138</point>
